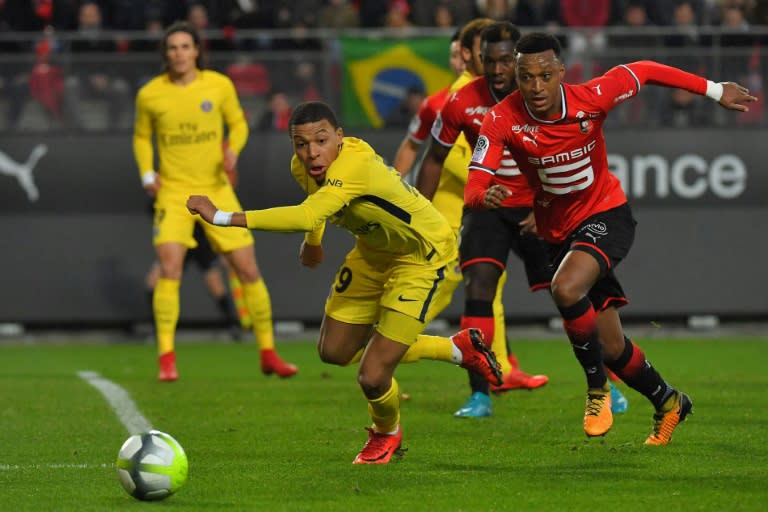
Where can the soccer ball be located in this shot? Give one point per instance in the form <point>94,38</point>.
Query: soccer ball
<point>151,465</point>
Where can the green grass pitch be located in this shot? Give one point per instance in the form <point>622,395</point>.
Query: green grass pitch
<point>258,443</point>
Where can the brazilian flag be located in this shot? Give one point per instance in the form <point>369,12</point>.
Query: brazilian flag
<point>377,74</point>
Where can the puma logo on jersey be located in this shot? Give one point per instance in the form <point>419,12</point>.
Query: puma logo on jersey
<point>495,116</point>
<point>529,139</point>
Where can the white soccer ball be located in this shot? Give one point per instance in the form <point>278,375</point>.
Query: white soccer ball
<point>151,465</point>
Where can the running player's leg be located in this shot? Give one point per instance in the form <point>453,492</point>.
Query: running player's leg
<point>237,246</point>
<point>628,361</point>
<point>207,262</point>
<point>256,295</point>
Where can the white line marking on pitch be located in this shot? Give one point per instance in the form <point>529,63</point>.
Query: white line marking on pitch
<point>121,402</point>
<point>16,467</point>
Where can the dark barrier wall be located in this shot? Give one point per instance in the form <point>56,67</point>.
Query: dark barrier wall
<point>76,236</point>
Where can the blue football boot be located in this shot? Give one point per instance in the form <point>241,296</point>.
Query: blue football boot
<point>619,402</point>
<point>478,406</point>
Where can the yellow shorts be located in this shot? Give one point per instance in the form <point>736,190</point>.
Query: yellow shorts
<point>444,293</point>
<point>174,223</point>
<point>363,289</point>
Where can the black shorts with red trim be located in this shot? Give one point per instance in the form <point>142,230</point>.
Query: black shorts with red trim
<point>608,237</point>
<point>487,236</point>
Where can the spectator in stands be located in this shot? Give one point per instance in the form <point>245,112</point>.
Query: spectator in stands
<point>277,114</point>
<point>581,14</point>
<point>372,13</point>
<point>401,116</point>
<point>443,16</point>
<point>89,78</point>
<point>636,41</point>
<point>339,14</point>
<point>197,16</point>
<point>700,12</point>
<point>537,13</point>
<point>635,44</point>
<point>497,10</point>
<point>306,81</point>
<point>683,109</point>
<point>397,15</point>
<point>425,12</point>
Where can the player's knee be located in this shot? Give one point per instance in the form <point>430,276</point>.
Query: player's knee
<point>566,293</point>
<point>479,288</point>
<point>372,386</point>
<point>331,356</point>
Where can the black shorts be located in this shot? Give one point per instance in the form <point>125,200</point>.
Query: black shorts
<point>608,237</point>
<point>487,236</point>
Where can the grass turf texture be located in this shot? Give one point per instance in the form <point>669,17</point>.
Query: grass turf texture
<point>258,443</point>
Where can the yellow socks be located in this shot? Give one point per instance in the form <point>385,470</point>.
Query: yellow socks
<point>165,306</point>
<point>499,344</point>
<point>260,308</point>
<point>385,410</point>
<point>236,289</point>
<point>438,348</point>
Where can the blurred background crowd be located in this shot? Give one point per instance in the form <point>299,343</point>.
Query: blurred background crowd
<point>77,64</point>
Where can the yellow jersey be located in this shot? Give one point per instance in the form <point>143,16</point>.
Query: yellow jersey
<point>188,124</point>
<point>390,219</point>
<point>449,196</point>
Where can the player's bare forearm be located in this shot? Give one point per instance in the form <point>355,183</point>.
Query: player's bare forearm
<point>431,168</point>
<point>204,207</point>
<point>311,255</point>
<point>736,97</point>
<point>405,156</point>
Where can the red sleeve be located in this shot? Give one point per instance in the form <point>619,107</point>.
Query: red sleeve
<point>623,82</point>
<point>418,129</point>
<point>649,72</point>
<point>486,158</point>
<point>447,125</point>
<point>474,191</point>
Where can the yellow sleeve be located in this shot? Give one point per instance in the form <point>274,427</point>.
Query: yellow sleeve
<point>142,137</point>
<point>315,237</point>
<point>308,216</point>
<point>234,117</point>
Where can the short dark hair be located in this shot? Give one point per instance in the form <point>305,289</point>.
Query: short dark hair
<point>500,31</point>
<point>312,112</point>
<point>182,26</point>
<point>537,42</point>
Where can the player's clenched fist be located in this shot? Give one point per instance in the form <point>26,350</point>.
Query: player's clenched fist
<point>310,255</point>
<point>201,205</point>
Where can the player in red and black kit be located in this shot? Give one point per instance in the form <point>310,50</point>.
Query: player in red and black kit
<point>487,236</point>
<point>554,132</point>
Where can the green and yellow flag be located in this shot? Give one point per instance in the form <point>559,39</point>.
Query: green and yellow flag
<point>378,73</point>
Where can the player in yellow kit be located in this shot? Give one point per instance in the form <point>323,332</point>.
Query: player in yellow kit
<point>383,291</point>
<point>185,108</point>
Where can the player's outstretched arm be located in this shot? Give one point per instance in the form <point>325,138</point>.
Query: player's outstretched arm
<point>202,205</point>
<point>735,97</point>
